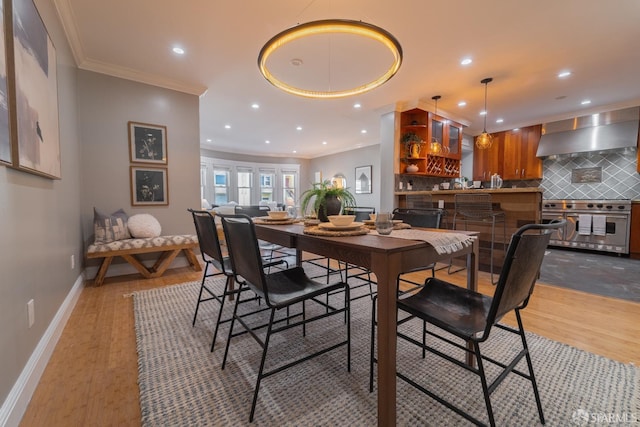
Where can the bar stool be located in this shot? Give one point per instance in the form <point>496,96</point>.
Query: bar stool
<point>477,209</point>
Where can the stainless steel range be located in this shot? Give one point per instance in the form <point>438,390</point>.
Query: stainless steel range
<point>599,225</point>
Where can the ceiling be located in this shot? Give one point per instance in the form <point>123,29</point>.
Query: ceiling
<point>522,44</point>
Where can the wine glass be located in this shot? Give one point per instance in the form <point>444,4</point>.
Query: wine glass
<point>383,223</point>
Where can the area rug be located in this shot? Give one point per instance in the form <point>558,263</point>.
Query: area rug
<point>182,384</point>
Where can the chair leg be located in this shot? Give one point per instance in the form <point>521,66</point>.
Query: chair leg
<point>233,321</point>
<point>530,365</point>
<point>373,342</point>
<point>483,380</point>
<point>204,277</point>
<point>227,286</point>
<point>264,356</point>
<point>347,304</point>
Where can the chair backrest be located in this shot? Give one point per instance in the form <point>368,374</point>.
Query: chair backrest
<point>422,201</point>
<point>520,269</point>
<point>244,253</point>
<point>208,238</point>
<point>361,212</point>
<point>427,218</point>
<point>252,211</point>
<point>474,205</point>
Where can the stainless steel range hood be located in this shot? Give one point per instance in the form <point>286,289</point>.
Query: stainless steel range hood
<point>598,132</point>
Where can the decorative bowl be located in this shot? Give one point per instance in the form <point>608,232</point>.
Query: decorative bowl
<point>277,214</point>
<point>341,220</point>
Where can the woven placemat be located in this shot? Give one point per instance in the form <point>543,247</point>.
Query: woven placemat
<point>275,221</point>
<point>398,226</point>
<point>317,231</point>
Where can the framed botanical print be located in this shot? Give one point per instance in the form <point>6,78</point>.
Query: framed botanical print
<point>147,143</point>
<point>149,186</point>
<point>32,74</point>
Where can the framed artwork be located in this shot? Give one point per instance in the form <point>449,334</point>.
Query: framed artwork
<point>149,186</point>
<point>35,139</point>
<point>363,180</point>
<point>147,143</point>
<point>5,141</point>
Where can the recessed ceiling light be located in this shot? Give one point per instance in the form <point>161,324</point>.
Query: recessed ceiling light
<point>267,142</point>
<point>499,120</point>
<point>586,101</point>
<point>324,142</point>
<point>255,106</point>
<point>295,151</point>
<point>299,128</point>
<point>462,103</point>
<point>227,126</point>
<point>363,131</point>
<point>564,74</point>
<point>466,61</point>
<point>357,105</point>
<point>483,113</point>
<point>178,50</point>
<point>208,140</point>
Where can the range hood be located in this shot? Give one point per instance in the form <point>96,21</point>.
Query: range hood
<point>612,130</point>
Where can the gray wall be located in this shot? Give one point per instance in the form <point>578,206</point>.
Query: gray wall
<point>345,163</point>
<point>108,103</point>
<point>40,229</point>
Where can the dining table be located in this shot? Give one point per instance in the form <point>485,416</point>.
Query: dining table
<point>386,257</point>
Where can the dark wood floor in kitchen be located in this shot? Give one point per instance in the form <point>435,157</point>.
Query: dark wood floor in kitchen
<point>602,274</point>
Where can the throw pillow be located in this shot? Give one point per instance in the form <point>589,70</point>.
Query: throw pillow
<point>109,228</point>
<point>144,225</point>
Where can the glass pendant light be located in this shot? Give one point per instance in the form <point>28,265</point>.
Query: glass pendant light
<point>484,140</point>
<point>435,146</point>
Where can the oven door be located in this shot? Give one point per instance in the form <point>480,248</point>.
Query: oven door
<point>557,236</point>
<point>614,240</point>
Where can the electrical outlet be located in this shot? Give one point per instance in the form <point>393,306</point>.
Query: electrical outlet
<point>31,313</point>
<point>73,262</point>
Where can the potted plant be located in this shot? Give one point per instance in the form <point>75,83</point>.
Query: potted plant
<point>412,142</point>
<point>327,199</point>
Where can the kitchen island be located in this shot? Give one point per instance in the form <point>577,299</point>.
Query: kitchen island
<point>520,205</point>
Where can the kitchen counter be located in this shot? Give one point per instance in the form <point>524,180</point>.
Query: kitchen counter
<point>520,205</point>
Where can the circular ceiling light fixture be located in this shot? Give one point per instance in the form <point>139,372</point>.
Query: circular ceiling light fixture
<point>485,140</point>
<point>329,27</point>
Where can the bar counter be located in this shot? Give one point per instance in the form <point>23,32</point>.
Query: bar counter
<point>520,205</point>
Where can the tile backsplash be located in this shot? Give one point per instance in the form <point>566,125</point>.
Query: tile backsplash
<point>620,179</point>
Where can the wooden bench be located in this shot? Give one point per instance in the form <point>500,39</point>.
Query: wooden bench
<point>169,246</point>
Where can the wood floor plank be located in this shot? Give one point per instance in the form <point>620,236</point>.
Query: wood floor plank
<point>91,378</point>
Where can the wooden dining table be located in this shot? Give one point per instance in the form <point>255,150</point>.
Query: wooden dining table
<point>386,257</point>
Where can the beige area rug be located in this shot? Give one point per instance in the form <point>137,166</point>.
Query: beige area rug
<point>181,383</point>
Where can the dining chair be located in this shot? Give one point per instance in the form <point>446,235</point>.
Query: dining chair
<point>215,264</point>
<point>425,218</point>
<point>470,316</point>
<point>279,290</point>
<point>271,250</point>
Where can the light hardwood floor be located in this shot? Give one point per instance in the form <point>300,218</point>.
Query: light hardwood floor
<point>91,379</point>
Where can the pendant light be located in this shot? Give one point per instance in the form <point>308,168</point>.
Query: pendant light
<point>435,146</point>
<point>484,140</point>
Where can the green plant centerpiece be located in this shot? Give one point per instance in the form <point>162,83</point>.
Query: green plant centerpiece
<point>413,143</point>
<point>327,199</point>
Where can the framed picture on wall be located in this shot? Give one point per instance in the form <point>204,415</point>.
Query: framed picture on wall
<point>147,143</point>
<point>363,180</point>
<point>149,186</point>
<point>5,141</point>
<point>33,102</point>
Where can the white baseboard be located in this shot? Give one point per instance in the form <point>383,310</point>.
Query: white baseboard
<point>20,395</point>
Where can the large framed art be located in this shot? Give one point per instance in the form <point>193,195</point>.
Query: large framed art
<point>363,180</point>
<point>147,143</point>
<point>33,88</point>
<point>5,141</point>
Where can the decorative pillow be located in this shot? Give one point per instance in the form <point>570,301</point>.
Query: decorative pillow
<point>144,225</point>
<point>109,228</point>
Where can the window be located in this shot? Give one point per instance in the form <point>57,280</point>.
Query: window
<point>245,177</point>
<point>220,186</point>
<point>267,181</point>
<point>289,187</point>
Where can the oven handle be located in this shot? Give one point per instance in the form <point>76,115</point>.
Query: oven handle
<point>572,214</point>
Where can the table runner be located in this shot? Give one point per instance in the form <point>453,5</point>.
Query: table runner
<point>442,242</point>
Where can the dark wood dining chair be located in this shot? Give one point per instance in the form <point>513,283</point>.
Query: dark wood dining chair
<point>470,316</point>
<point>279,290</point>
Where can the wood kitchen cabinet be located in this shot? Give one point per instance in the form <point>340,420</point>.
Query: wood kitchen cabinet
<point>512,156</point>
<point>634,235</point>
<point>429,126</point>
<point>488,161</point>
<point>520,147</point>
